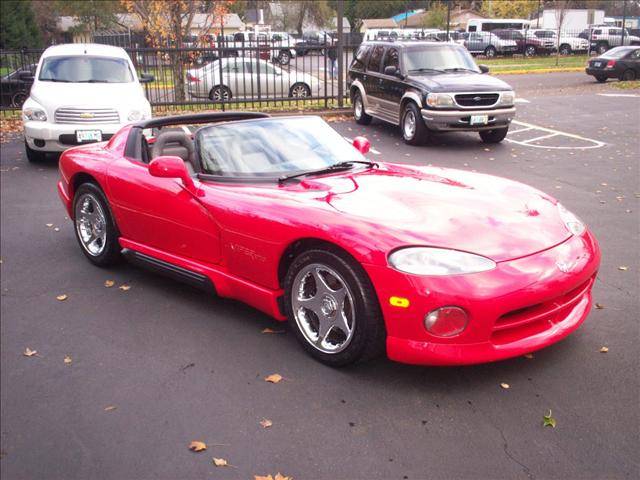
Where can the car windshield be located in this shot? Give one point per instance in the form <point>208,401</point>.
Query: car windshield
<point>617,52</point>
<point>439,58</point>
<point>271,147</point>
<point>85,69</point>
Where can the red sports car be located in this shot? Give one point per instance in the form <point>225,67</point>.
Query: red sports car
<point>437,266</point>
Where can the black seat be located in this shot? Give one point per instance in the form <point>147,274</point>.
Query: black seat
<point>178,144</point>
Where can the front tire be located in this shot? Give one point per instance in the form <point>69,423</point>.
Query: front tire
<point>565,49</point>
<point>529,51</point>
<point>284,58</point>
<point>300,90</point>
<point>414,131</point>
<point>359,114</point>
<point>602,48</point>
<point>493,136</point>
<point>220,93</point>
<point>333,308</point>
<point>94,226</point>
<point>490,51</point>
<point>628,75</point>
<point>18,98</point>
<point>34,156</point>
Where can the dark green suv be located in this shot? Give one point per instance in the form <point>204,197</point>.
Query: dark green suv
<point>428,87</point>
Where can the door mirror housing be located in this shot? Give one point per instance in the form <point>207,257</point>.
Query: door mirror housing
<point>168,166</point>
<point>390,70</point>
<point>362,144</point>
<point>146,78</point>
<point>483,68</point>
<point>26,76</point>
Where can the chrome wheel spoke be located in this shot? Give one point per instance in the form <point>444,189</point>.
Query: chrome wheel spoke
<point>91,224</point>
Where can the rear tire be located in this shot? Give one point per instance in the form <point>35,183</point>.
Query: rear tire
<point>529,51</point>
<point>284,58</point>
<point>601,79</point>
<point>300,90</point>
<point>493,136</point>
<point>220,93</point>
<point>490,51</point>
<point>359,114</point>
<point>325,287</point>
<point>565,49</point>
<point>92,219</point>
<point>602,48</point>
<point>414,131</point>
<point>34,156</point>
<point>628,75</point>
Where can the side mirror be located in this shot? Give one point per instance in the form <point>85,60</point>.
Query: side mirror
<point>362,144</point>
<point>483,68</point>
<point>390,70</point>
<point>146,78</point>
<point>26,76</point>
<point>168,166</point>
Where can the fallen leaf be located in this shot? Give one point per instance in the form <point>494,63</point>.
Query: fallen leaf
<point>266,423</point>
<point>62,297</point>
<point>279,476</point>
<point>599,306</point>
<point>124,288</point>
<point>624,268</point>
<point>109,283</point>
<point>548,421</point>
<point>68,360</point>
<point>529,356</point>
<point>506,386</point>
<point>49,225</point>
<point>262,477</point>
<point>220,462</point>
<point>269,330</point>
<point>56,229</point>
<point>30,353</point>
<point>273,378</point>
<point>197,446</point>
<point>110,408</point>
<point>604,349</point>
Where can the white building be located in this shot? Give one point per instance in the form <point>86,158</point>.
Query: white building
<point>572,19</point>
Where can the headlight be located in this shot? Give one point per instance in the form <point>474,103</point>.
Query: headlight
<point>439,100</point>
<point>507,98</point>
<point>35,114</point>
<point>135,115</point>
<point>438,261</point>
<point>572,222</point>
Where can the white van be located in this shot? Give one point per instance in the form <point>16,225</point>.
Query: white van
<point>81,93</point>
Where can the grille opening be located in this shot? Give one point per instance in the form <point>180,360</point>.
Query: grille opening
<point>476,99</point>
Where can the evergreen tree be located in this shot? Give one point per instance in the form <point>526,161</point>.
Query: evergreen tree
<point>18,27</point>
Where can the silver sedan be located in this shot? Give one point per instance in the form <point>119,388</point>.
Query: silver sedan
<point>245,77</point>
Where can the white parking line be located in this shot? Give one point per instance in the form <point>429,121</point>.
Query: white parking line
<point>591,143</point>
<point>371,149</point>
<point>632,95</point>
<point>521,100</point>
<point>511,132</point>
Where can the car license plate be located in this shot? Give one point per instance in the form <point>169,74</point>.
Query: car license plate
<point>88,136</point>
<point>479,119</point>
<point>597,64</point>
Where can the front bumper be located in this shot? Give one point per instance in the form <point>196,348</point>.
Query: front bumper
<point>56,137</point>
<point>459,120</point>
<point>521,306</point>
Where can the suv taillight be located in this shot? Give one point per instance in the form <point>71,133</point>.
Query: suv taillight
<point>191,78</point>
<point>611,63</point>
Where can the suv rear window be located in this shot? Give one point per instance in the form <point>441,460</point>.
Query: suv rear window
<point>376,58</point>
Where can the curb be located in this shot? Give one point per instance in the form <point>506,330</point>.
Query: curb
<point>539,70</point>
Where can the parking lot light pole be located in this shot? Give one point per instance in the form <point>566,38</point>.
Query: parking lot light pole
<point>340,12</point>
<point>624,20</point>
<point>448,18</point>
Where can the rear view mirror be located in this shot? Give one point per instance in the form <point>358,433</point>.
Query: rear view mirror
<point>483,68</point>
<point>362,144</point>
<point>390,70</point>
<point>146,78</point>
<point>26,76</point>
<point>168,166</point>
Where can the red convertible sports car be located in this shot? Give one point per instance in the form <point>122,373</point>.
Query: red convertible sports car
<point>435,266</point>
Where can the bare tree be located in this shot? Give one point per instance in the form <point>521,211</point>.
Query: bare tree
<point>560,12</point>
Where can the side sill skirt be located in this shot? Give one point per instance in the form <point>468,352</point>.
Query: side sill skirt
<point>170,270</point>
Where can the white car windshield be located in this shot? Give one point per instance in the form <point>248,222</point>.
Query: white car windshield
<point>85,69</point>
<point>272,147</point>
<point>439,58</point>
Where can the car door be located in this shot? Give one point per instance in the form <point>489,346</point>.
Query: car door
<point>270,80</point>
<point>371,78</point>
<point>161,213</point>
<point>391,87</point>
<point>237,76</point>
<point>474,43</point>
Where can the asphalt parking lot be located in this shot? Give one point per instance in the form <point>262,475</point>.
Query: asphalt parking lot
<point>159,365</point>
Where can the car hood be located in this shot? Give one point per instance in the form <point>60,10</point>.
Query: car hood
<point>121,96</point>
<point>403,206</point>
<point>460,82</point>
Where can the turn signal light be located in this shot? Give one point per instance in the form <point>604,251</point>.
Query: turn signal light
<point>399,302</point>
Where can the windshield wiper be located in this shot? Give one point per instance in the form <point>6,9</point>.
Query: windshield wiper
<point>331,168</point>
<point>55,80</point>
<point>93,80</point>
<point>460,69</point>
<point>424,69</point>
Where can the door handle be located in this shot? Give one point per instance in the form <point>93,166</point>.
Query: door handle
<point>364,77</point>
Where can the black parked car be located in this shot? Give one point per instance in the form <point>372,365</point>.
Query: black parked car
<point>313,42</point>
<point>619,62</point>
<point>428,87</point>
<point>14,89</point>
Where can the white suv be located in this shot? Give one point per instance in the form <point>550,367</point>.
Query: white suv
<point>81,93</point>
<point>567,43</point>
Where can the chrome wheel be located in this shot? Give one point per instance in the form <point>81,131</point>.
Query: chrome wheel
<point>220,93</point>
<point>323,308</point>
<point>357,108</point>
<point>409,124</point>
<point>91,224</point>
<point>299,90</point>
